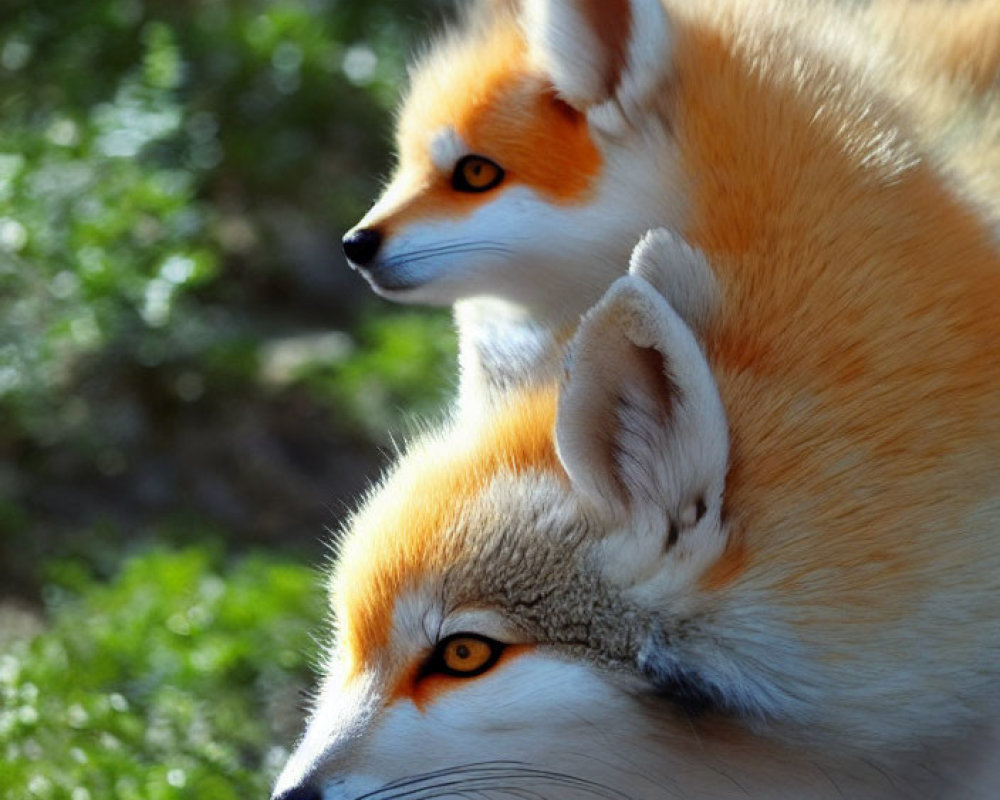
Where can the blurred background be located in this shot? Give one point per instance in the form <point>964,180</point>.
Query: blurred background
<point>193,385</point>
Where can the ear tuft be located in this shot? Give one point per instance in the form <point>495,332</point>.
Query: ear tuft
<point>597,51</point>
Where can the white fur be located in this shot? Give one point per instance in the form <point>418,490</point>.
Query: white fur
<point>540,713</point>
<point>501,348</point>
<point>680,273</point>
<point>571,54</point>
<point>552,259</point>
<point>563,47</point>
<point>446,148</point>
<point>814,699</point>
<point>483,621</point>
<point>533,711</point>
<point>649,49</point>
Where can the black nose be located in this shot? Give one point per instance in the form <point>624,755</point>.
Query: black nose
<point>300,793</point>
<point>361,246</point>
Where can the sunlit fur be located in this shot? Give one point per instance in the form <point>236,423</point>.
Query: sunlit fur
<point>944,63</point>
<point>594,129</point>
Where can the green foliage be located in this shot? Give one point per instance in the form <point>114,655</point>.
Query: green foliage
<point>175,328</point>
<point>155,685</point>
<point>96,242</point>
<point>159,162</point>
<point>174,181</point>
<point>392,375</point>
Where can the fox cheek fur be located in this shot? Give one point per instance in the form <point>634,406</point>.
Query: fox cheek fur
<point>573,110</point>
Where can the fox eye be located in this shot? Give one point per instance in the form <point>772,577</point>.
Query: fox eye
<point>476,174</point>
<point>463,655</point>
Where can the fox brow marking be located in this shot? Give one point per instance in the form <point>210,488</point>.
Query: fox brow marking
<point>485,777</point>
<point>446,147</point>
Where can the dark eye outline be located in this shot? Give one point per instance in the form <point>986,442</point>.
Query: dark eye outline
<point>459,182</point>
<point>435,663</point>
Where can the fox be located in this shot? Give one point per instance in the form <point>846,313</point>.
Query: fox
<point>539,140</point>
<point>731,552</point>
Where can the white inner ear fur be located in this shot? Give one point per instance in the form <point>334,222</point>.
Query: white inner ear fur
<point>641,429</point>
<point>576,58</point>
<point>649,51</point>
<point>566,49</point>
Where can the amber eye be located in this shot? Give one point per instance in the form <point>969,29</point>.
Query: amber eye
<point>475,174</point>
<point>464,655</point>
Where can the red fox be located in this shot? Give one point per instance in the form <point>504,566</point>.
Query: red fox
<point>746,541</point>
<point>539,140</point>
<point>754,555</point>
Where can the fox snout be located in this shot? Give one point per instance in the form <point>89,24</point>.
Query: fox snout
<point>365,249</point>
<point>300,793</point>
<point>361,245</point>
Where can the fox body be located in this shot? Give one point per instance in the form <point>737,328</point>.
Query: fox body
<point>746,543</point>
<point>540,140</point>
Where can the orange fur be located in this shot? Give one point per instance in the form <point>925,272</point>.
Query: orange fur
<point>543,142</point>
<point>838,593</point>
<point>516,120</point>
<point>853,279</point>
<point>728,568</point>
<point>406,536</point>
<point>853,285</point>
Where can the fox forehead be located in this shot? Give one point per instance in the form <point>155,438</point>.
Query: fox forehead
<point>458,74</point>
<point>413,529</point>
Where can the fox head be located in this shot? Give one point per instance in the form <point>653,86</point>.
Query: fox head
<point>579,594</point>
<point>530,158</point>
<point>540,139</point>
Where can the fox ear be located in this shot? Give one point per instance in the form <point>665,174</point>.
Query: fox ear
<point>640,419</point>
<point>596,51</point>
<point>680,273</point>
<point>501,348</point>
